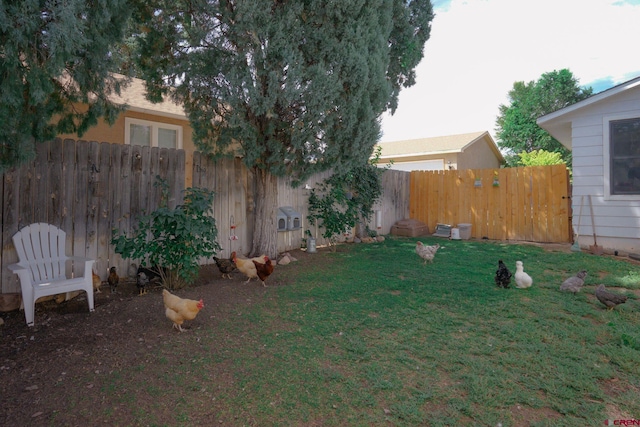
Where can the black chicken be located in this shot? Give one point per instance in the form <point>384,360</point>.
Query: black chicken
<point>226,266</point>
<point>503,275</point>
<point>146,275</point>
<point>113,280</point>
<point>609,298</point>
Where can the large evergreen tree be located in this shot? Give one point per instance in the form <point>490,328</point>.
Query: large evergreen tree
<point>291,86</point>
<point>54,57</point>
<point>516,127</point>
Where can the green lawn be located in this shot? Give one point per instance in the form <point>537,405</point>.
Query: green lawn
<point>369,336</point>
<point>377,338</point>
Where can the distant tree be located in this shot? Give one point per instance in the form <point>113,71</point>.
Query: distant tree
<point>516,127</point>
<point>55,58</point>
<point>293,87</point>
<point>539,158</point>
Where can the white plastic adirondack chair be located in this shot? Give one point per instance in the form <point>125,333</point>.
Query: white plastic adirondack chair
<point>42,266</point>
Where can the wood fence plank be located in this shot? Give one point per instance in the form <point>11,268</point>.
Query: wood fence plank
<point>69,186</point>
<point>81,212</point>
<point>26,191</point>
<point>106,191</point>
<point>56,183</point>
<point>41,188</point>
<point>93,199</point>
<point>178,181</point>
<point>10,225</point>
<point>119,220</point>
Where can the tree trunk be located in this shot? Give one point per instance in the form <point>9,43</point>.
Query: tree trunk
<point>265,230</point>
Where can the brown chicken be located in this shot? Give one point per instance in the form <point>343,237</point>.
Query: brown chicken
<point>609,298</point>
<point>180,309</point>
<point>113,280</point>
<point>264,270</point>
<point>426,252</point>
<point>226,266</point>
<point>247,266</point>
<point>96,282</point>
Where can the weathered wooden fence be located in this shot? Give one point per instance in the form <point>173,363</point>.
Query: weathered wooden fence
<point>90,189</point>
<point>233,204</point>
<point>525,203</point>
<point>87,189</point>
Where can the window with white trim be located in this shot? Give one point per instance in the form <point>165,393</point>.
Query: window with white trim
<point>153,134</point>
<point>624,156</point>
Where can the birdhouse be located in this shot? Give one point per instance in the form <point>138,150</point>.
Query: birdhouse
<point>282,220</point>
<point>294,221</point>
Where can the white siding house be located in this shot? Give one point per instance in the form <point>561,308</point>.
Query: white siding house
<point>603,133</point>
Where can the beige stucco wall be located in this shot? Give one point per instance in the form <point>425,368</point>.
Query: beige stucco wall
<point>102,132</point>
<point>478,156</point>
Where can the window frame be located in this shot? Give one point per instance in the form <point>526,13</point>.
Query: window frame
<point>128,121</point>
<point>606,153</point>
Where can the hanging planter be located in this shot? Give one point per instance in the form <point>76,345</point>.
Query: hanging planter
<point>496,182</point>
<point>478,182</point>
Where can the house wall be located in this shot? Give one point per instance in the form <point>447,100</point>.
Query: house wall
<point>617,222</point>
<point>433,162</point>
<point>102,132</point>
<point>478,156</point>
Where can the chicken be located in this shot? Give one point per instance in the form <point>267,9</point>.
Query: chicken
<point>609,298</point>
<point>142,280</point>
<point>264,270</point>
<point>248,267</point>
<point>113,280</point>
<point>180,309</point>
<point>426,252</point>
<point>226,266</point>
<point>523,280</point>
<point>574,283</point>
<point>503,275</point>
<point>96,282</point>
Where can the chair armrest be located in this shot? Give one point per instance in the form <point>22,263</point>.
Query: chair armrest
<point>16,268</point>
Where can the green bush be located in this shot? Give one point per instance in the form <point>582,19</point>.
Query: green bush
<point>346,199</point>
<point>174,238</point>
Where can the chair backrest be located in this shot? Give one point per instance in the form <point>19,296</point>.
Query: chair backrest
<point>41,247</point>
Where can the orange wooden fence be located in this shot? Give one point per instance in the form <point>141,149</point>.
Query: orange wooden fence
<point>525,203</point>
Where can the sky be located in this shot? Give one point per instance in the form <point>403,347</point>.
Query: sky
<point>479,48</point>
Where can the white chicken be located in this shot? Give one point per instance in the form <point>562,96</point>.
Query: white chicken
<point>426,252</point>
<point>523,280</point>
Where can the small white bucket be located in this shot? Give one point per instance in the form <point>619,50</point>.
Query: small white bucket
<point>455,234</point>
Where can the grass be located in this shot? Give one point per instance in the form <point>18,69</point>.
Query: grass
<point>375,337</point>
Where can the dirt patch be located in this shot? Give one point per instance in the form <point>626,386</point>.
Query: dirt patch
<point>38,365</point>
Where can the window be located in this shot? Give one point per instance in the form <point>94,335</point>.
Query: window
<point>154,134</point>
<point>624,156</point>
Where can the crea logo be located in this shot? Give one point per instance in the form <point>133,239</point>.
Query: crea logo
<point>632,422</point>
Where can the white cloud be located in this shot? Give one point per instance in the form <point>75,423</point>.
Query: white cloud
<point>479,48</point>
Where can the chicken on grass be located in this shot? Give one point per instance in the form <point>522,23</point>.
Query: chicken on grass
<point>574,283</point>
<point>523,280</point>
<point>503,275</point>
<point>427,253</point>
<point>180,309</point>
<point>610,299</point>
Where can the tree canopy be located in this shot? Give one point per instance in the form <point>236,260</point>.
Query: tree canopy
<point>54,57</point>
<point>516,127</point>
<point>293,87</point>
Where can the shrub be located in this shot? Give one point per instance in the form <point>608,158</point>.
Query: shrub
<point>345,199</point>
<point>174,238</point>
